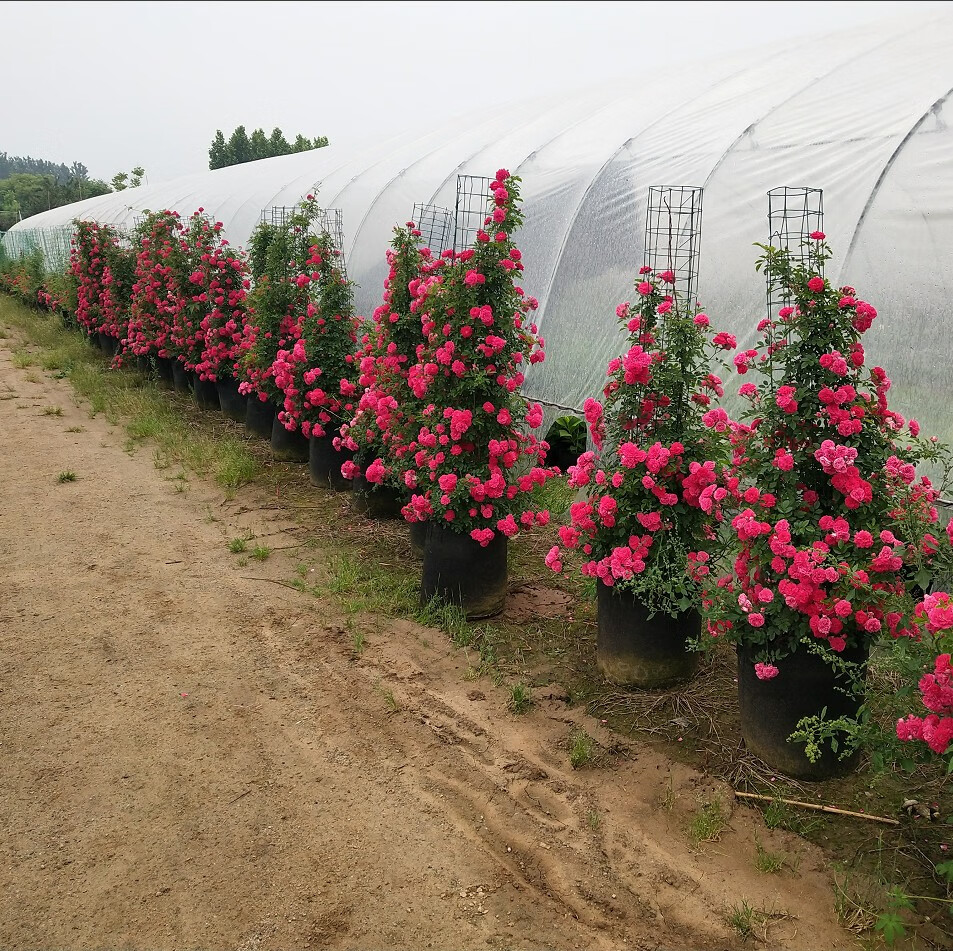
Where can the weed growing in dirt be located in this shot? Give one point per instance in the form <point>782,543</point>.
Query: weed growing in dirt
<point>779,815</point>
<point>76,429</point>
<point>768,862</point>
<point>708,823</point>
<point>521,698</point>
<point>449,618</point>
<point>261,552</point>
<point>23,359</point>
<point>389,698</point>
<point>582,748</point>
<point>238,545</point>
<point>67,475</point>
<point>742,918</point>
<point>669,797</point>
<point>52,411</point>
<point>242,562</point>
<point>358,642</point>
<point>593,820</point>
<point>369,586</point>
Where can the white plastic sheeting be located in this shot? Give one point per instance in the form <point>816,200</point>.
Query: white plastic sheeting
<point>865,116</point>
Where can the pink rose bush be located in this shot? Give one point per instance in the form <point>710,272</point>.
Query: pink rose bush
<point>472,461</point>
<point>832,522</point>
<point>388,413</point>
<point>935,729</point>
<point>655,486</point>
<point>314,370</point>
<point>157,294</point>
<point>102,267</point>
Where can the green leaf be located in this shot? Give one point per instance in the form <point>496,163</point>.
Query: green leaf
<point>945,870</point>
<point>890,926</point>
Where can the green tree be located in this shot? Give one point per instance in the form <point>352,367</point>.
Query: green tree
<point>218,151</point>
<point>239,147</point>
<point>260,146</point>
<point>278,144</point>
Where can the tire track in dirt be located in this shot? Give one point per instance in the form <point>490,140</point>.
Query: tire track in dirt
<point>191,758</point>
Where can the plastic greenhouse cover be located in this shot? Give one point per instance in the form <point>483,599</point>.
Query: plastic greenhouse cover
<point>863,115</point>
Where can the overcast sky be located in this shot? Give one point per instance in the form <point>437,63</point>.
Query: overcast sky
<point>115,85</point>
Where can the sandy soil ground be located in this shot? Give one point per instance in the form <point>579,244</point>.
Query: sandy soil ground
<point>193,759</point>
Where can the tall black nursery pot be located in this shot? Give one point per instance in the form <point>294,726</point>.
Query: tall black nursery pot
<point>805,685</point>
<point>418,537</point>
<point>460,571</point>
<point>181,378</point>
<point>376,501</point>
<point>260,416</point>
<point>324,463</point>
<point>164,369</point>
<point>234,404</point>
<point>288,445</point>
<point>636,650</point>
<point>205,393</point>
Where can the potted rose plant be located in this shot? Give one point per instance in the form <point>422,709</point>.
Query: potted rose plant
<point>649,524</point>
<point>833,524</point>
<point>387,407</point>
<point>473,463</point>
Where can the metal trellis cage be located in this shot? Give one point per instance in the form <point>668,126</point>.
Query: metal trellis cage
<point>794,213</point>
<point>673,235</point>
<point>474,205</point>
<point>436,226</point>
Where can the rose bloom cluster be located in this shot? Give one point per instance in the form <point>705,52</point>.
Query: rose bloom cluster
<point>471,460</point>
<point>101,269</point>
<point>656,487</point>
<point>388,411</point>
<point>834,521</point>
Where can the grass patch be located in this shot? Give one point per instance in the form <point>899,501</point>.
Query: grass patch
<point>358,642</point>
<point>521,699</point>
<point>67,475</point>
<point>76,429</point>
<point>261,552</point>
<point>23,359</point>
<point>369,586</point>
<point>771,863</point>
<point>52,411</point>
<point>238,546</point>
<point>708,823</point>
<point>582,748</point>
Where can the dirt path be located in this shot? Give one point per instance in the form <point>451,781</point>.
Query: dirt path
<point>191,759</point>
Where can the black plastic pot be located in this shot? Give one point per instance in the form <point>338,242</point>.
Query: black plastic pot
<point>181,378</point>
<point>67,318</point>
<point>288,445</point>
<point>324,463</point>
<point>460,571</point>
<point>205,393</point>
<point>164,369</point>
<point>418,537</point>
<point>638,651</point>
<point>376,501</point>
<point>93,337</point>
<point>805,685</point>
<point>234,404</point>
<point>108,344</point>
<point>143,365</point>
<point>260,416</point>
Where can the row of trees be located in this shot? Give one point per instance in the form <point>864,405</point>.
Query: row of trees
<point>240,147</point>
<point>27,165</point>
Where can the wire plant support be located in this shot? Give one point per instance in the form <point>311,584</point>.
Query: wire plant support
<point>673,236</point>
<point>329,221</point>
<point>436,227</point>
<point>794,213</point>
<point>474,205</point>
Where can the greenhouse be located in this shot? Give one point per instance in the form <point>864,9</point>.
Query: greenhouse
<point>865,118</point>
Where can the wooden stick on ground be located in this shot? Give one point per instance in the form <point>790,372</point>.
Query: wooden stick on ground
<point>818,807</point>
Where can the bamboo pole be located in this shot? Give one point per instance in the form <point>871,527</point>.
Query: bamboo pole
<point>818,807</point>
